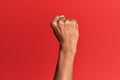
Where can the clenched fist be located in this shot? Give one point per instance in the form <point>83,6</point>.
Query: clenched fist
<point>66,31</point>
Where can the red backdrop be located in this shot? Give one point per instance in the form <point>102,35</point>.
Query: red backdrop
<point>29,50</point>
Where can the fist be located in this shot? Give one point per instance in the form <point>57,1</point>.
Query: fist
<point>65,30</point>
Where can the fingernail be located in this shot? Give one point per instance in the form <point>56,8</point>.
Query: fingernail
<point>62,16</point>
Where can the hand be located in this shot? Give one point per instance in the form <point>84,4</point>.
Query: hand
<point>66,31</point>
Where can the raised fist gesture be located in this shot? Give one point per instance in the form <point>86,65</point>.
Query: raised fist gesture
<point>66,30</point>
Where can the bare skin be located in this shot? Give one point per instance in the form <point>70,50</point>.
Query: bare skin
<point>67,33</point>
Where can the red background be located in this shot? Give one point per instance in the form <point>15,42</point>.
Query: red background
<point>29,50</point>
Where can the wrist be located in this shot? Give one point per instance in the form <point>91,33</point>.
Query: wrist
<point>68,49</point>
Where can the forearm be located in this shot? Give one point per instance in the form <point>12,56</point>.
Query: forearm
<point>67,33</point>
<point>64,69</point>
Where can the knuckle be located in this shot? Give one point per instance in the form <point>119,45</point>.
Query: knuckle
<point>74,20</point>
<point>67,22</point>
<point>61,21</point>
<point>53,23</point>
<point>55,17</point>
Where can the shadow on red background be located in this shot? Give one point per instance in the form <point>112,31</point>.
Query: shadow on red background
<point>29,50</point>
